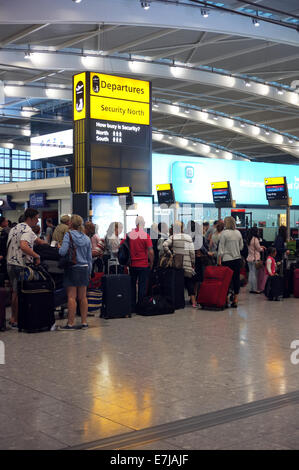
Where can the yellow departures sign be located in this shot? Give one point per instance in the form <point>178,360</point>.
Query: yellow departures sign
<point>123,190</point>
<point>276,180</point>
<point>79,96</point>
<point>119,99</point>
<point>220,185</point>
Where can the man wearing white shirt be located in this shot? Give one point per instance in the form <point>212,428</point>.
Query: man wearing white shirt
<point>20,252</point>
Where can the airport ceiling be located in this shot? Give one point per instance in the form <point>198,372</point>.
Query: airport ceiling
<point>217,77</point>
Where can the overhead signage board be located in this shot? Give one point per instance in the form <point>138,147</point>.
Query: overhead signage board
<point>165,194</point>
<point>277,191</point>
<point>79,96</point>
<point>51,145</point>
<point>112,133</point>
<point>221,192</point>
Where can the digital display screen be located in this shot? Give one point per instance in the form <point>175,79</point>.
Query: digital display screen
<point>116,133</point>
<point>106,209</point>
<point>166,197</point>
<point>221,195</point>
<point>274,192</point>
<point>191,178</point>
<point>239,216</point>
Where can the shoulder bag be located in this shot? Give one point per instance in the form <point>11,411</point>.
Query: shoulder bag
<point>70,259</point>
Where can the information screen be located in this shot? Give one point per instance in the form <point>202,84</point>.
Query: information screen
<point>276,189</point>
<point>106,209</point>
<point>221,193</point>
<point>116,133</point>
<point>239,216</point>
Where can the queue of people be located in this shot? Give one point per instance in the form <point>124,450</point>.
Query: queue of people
<point>192,248</point>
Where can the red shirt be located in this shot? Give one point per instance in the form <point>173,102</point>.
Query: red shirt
<point>140,242</point>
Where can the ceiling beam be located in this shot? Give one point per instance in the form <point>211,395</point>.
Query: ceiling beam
<point>149,37</point>
<point>83,37</point>
<point>22,34</point>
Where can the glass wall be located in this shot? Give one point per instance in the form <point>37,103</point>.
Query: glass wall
<point>15,165</point>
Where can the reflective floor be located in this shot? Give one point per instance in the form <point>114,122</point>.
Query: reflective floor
<point>65,388</point>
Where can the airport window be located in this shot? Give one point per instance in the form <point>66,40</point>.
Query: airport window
<point>15,165</point>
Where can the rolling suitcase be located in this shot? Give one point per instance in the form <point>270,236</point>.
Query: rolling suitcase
<point>173,286</point>
<point>296,283</point>
<point>274,288</point>
<point>116,301</point>
<point>214,289</point>
<point>36,305</point>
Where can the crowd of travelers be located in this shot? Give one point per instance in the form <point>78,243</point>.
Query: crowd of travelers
<point>194,246</point>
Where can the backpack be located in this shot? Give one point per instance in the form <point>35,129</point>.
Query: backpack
<point>124,255</point>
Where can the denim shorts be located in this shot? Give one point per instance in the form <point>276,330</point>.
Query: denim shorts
<point>14,272</point>
<point>76,276</point>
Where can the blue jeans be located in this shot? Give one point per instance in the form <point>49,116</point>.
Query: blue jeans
<point>141,275</point>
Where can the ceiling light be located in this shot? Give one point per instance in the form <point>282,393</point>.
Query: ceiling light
<point>291,141</point>
<point>242,125</point>
<point>187,111</point>
<point>204,13</point>
<point>217,150</point>
<point>247,83</point>
<point>77,1</point>
<point>27,55</point>
<point>280,91</point>
<point>156,105</point>
<point>255,22</point>
<point>215,118</point>
<point>267,132</point>
<point>145,5</point>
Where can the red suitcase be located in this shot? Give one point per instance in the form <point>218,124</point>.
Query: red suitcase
<point>214,289</point>
<point>296,283</point>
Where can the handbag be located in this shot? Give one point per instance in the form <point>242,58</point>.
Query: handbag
<point>70,259</point>
<point>166,261</point>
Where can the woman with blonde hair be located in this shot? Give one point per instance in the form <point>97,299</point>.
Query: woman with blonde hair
<point>230,246</point>
<point>76,277</point>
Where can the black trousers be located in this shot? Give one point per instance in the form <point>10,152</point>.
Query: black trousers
<point>189,284</point>
<point>235,266</point>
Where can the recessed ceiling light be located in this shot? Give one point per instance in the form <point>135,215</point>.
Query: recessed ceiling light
<point>204,13</point>
<point>145,5</point>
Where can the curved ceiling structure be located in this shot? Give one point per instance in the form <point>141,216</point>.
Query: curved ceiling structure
<point>222,62</point>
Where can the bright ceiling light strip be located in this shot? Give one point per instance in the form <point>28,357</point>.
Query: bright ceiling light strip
<point>247,128</point>
<point>163,69</point>
<point>200,147</point>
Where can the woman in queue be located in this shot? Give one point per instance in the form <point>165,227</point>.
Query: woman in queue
<point>76,277</point>
<point>230,245</point>
<point>254,256</point>
<point>180,243</point>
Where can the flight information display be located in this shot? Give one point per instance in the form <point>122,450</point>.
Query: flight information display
<point>222,194</point>
<point>277,190</point>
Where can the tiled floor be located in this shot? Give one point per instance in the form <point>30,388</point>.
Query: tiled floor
<point>62,389</point>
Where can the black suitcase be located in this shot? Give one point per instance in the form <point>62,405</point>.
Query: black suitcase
<point>116,296</point>
<point>36,305</point>
<point>274,288</point>
<point>173,285</point>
